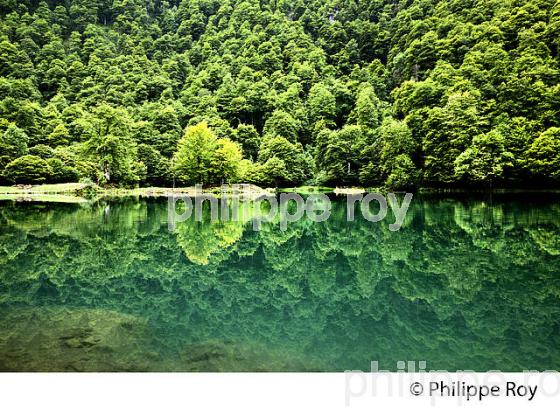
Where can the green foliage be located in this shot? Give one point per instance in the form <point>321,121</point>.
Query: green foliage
<point>99,79</point>
<point>321,104</point>
<point>59,136</point>
<point>368,109</point>
<point>449,131</point>
<point>13,144</point>
<point>339,160</point>
<point>28,169</point>
<point>403,174</point>
<point>485,160</point>
<point>226,160</point>
<point>249,138</point>
<point>202,158</point>
<point>284,163</point>
<point>543,157</point>
<point>61,172</point>
<point>282,124</point>
<point>42,151</point>
<point>193,158</point>
<point>110,146</point>
<point>397,148</point>
<point>157,166</point>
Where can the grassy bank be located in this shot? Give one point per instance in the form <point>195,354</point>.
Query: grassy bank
<point>68,189</point>
<point>66,193</point>
<point>78,192</point>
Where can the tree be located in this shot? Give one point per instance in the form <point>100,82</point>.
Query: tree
<point>282,124</point>
<point>395,139</point>
<point>116,161</point>
<point>403,173</point>
<point>274,173</point>
<point>368,113</point>
<point>25,114</point>
<point>543,157</point>
<point>13,144</point>
<point>292,69</point>
<point>203,158</point>
<point>485,160</point>
<point>290,165</point>
<point>82,13</point>
<point>448,132</point>
<point>60,172</point>
<point>157,166</point>
<point>192,160</point>
<point>226,161</point>
<point>389,159</point>
<point>42,151</point>
<point>321,104</point>
<point>249,138</point>
<point>341,156</point>
<point>59,136</point>
<point>110,145</point>
<point>28,169</point>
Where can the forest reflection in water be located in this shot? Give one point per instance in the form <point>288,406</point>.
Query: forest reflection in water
<point>465,284</point>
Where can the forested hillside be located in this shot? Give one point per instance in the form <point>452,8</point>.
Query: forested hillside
<point>281,93</point>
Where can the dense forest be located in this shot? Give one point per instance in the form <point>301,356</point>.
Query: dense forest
<point>401,93</point>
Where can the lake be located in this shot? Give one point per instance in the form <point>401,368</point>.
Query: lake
<point>467,283</point>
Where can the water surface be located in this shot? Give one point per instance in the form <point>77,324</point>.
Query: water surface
<point>466,284</point>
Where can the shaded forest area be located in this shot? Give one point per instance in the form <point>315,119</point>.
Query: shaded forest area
<point>280,93</point>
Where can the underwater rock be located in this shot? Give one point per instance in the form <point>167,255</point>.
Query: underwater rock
<point>57,339</point>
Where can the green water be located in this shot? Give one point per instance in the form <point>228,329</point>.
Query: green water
<point>466,284</point>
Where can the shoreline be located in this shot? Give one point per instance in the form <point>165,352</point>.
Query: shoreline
<point>84,193</point>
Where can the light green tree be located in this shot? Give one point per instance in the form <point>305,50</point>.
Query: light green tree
<point>226,161</point>
<point>193,158</point>
<point>203,158</point>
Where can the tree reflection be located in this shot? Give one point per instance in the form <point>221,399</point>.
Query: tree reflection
<point>464,284</point>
